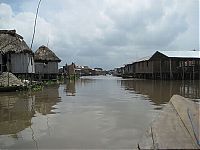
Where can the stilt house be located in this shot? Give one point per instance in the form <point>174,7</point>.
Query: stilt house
<point>176,64</point>
<point>165,65</point>
<point>46,63</point>
<point>15,55</point>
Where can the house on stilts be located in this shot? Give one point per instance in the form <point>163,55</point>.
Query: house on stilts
<point>46,64</point>
<point>15,55</point>
<point>175,64</point>
<point>165,65</point>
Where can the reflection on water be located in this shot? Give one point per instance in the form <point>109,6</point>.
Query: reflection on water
<point>101,112</point>
<point>46,99</point>
<point>15,113</point>
<point>17,109</point>
<point>160,92</point>
<point>70,88</point>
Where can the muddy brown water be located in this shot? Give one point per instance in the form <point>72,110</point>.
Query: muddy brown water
<point>101,112</point>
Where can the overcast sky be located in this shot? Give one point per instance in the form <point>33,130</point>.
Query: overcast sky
<point>105,33</point>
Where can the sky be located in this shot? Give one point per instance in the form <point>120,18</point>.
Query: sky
<point>105,33</point>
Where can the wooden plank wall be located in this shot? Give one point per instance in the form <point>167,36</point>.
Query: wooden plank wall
<point>20,63</point>
<point>0,63</point>
<point>49,68</point>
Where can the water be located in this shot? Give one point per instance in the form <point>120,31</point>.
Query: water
<point>92,113</point>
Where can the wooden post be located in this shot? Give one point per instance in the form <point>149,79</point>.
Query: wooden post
<point>199,71</point>
<point>183,69</point>
<point>160,70</point>
<point>193,68</point>
<point>152,71</point>
<point>8,79</point>
<point>170,68</point>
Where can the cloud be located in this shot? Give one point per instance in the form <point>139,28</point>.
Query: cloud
<point>105,33</point>
<point>23,23</point>
<point>6,12</point>
<point>148,25</point>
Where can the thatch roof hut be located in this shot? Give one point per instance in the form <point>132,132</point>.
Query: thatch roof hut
<point>11,42</point>
<point>46,63</point>
<point>15,55</point>
<point>44,54</point>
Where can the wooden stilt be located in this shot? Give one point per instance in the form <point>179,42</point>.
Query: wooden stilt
<point>170,68</point>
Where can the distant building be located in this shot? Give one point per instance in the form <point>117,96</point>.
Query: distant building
<point>15,55</point>
<point>71,69</point>
<point>63,70</point>
<point>83,70</point>
<point>98,69</point>
<point>46,63</point>
<point>175,64</point>
<point>165,65</point>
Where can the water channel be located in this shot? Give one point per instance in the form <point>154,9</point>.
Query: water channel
<point>101,112</point>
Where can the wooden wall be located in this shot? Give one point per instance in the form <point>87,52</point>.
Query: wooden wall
<point>143,67</point>
<point>0,63</point>
<point>167,68</point>
<point>46,68</point>
<point>22,63</point>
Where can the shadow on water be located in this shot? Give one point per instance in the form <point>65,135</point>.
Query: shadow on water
<point>160,92</point>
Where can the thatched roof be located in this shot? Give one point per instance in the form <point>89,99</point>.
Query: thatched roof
<point>44,54</point>
<point>12,42</point>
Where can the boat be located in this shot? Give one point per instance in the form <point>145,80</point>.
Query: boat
<point>176,127</point>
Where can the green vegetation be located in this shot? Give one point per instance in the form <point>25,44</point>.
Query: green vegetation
<point>36,87</point>
<point>49,82</point>
<point>72,77</point>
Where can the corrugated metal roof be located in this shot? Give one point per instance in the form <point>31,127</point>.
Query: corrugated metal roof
<point>144,59</point>
<point>181,54</point>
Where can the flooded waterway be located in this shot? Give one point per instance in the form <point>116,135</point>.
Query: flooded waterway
<point>101,112</point>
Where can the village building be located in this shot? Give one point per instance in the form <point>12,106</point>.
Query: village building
<point>165,65</point>
<point>176,64</point>
<point>15,55</point>
<point>119,71</point>
<point>83,71</point>
<point>46,63</point>
<point>99,71</point>
<point>71,69</point>
<point>63,70</point>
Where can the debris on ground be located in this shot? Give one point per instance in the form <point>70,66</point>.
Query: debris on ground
<point>9,79</point>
